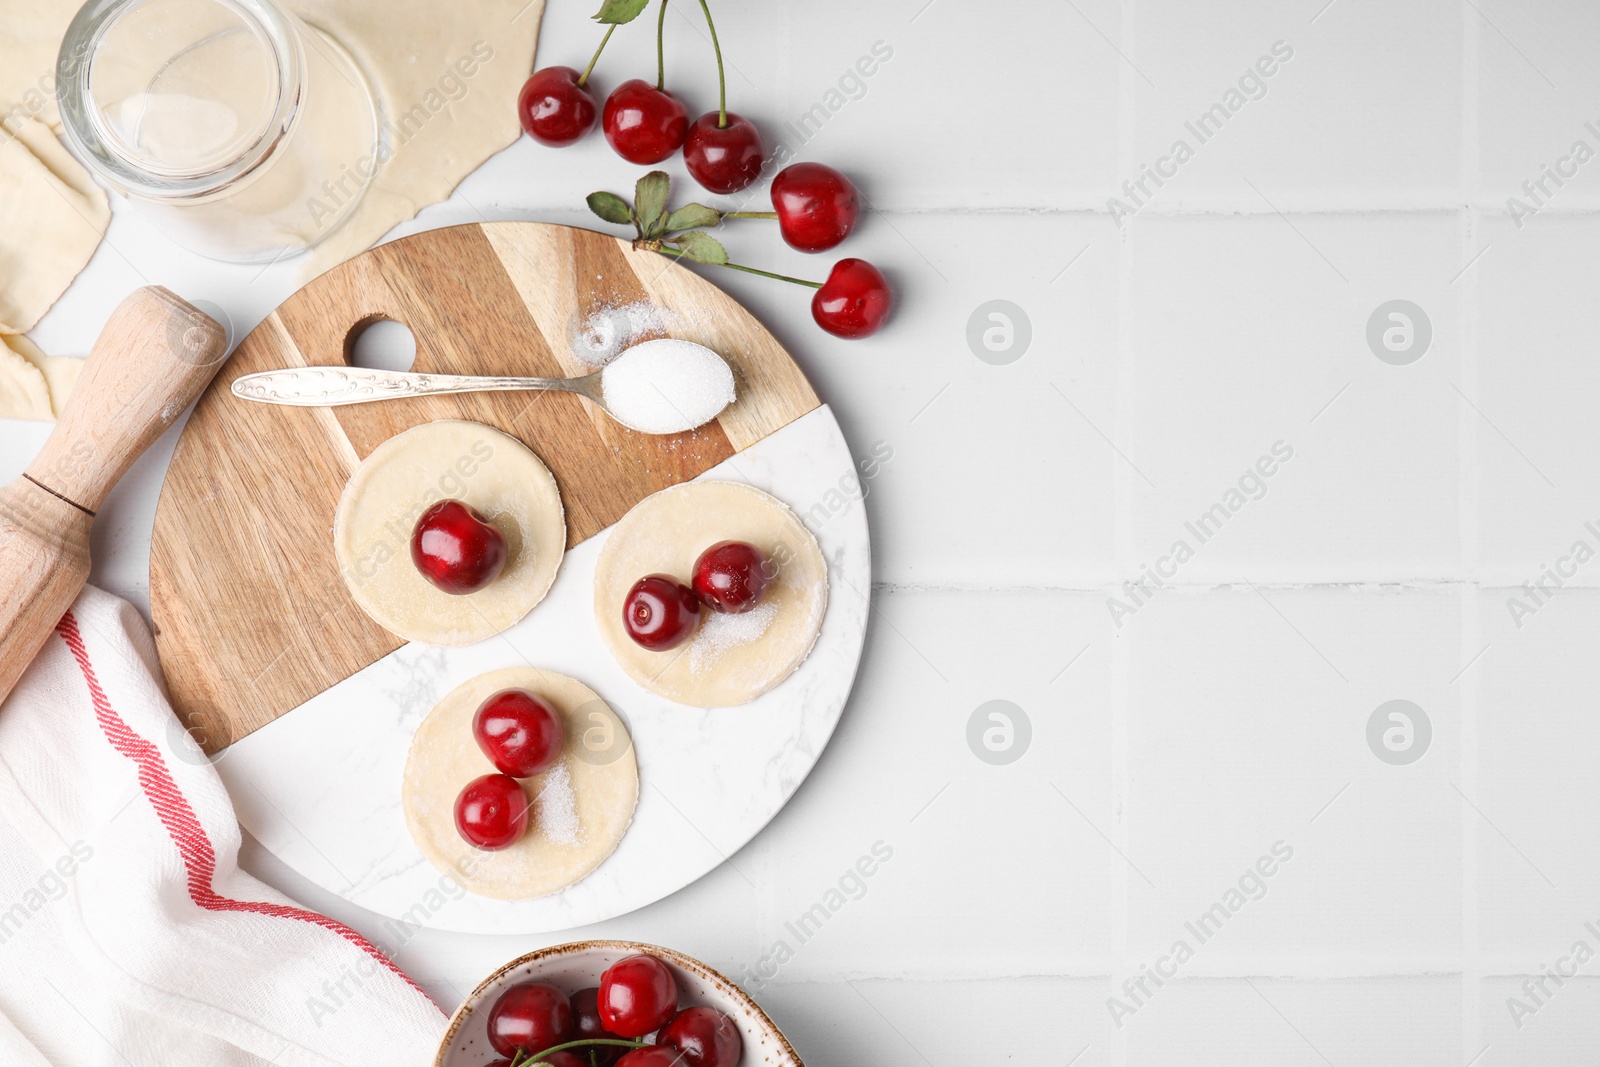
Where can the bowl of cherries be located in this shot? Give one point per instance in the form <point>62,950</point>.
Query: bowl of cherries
<point>611,1004</point>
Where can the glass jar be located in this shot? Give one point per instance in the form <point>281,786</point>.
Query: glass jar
<point>248,133</point>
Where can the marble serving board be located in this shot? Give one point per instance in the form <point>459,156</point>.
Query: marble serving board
<point>320,786</point>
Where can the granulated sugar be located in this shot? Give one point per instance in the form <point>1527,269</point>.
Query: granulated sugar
<point>667,386</point>
<point>557,807</point>
<point>719,632</point>
<point>606,332</point>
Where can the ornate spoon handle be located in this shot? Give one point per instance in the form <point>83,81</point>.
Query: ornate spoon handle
<point>332,386</point>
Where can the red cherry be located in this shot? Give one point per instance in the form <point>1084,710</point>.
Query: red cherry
<point>705,1036</point>
<point>586,1022</point>
<point>456,548</point>
<point>644,124</point>
<point>730,576</point>
<point>531,1016</point>
<point>521,734</point>
<point>817,206</point>
<point>724,159</point>
<point>854,301</point>
<point>554,108</point>
<point>492,813</point>
<point>637,996</point>
<point>660,612</point>
<point>653,1056</point>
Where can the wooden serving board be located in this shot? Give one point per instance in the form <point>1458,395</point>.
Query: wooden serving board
<point>251,615</point>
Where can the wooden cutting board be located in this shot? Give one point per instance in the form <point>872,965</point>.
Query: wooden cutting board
<point>251,615</point>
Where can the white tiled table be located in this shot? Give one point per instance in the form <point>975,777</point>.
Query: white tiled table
<point>1229,711</point>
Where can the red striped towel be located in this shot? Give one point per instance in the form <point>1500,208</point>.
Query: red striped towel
<point>128,934</point>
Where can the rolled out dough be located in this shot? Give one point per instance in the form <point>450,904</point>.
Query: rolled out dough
<point>446,77</point>
<point>598,758</point>
<point>32,384</point>
<point>52,217</point>
<point>665,533</point>
<point>448,459</point>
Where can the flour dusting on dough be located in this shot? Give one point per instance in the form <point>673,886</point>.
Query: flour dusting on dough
<point>721,631</point>
<point>558,808</point>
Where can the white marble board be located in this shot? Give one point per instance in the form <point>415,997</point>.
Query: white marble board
<point>320,786</point>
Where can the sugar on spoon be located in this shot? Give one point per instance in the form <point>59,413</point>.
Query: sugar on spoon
<point>662,386</point>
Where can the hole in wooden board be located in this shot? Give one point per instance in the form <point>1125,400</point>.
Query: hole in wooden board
<point>382,344</point>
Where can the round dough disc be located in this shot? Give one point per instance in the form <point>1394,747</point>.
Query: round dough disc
<point>597,759</point>
<point>449,459</point>
<point>665,533</point>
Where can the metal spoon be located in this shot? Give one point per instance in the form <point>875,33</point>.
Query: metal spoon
<point>309,387</point>
<point>321,387</point>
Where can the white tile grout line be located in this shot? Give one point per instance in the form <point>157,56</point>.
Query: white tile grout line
<point>1296,203</point>
<point>1122,510</point>
<point>1472,1022</point>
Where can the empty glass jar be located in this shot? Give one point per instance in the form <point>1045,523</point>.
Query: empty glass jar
<point>250,134</point>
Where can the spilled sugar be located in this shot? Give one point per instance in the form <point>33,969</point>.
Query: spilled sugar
<point>720,632</point>
<point>667,386</point>
<point>557,810</point>
<point>599,338</point>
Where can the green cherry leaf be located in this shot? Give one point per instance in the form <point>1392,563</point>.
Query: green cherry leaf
<point>650,200</point>
<point>692,217</point>
<point>610,207</point>
<point>620,12</point>
<point>701,247</point>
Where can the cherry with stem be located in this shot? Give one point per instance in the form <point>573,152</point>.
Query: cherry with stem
<point>583,79</point>
<point>854,301</point>
<point>555,105</point>
<point>723,151</point>
<point>670,251</point>
<point>518,1061</point>
<point>722,77</point>
<point>645,123</point>
<point>661,55</point>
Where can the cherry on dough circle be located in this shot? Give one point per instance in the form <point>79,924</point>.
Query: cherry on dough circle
<point>665,533</point>
<point>492,472</point>
<point>582,806</point>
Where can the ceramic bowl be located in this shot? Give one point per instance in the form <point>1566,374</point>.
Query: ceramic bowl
<point>578,965</point>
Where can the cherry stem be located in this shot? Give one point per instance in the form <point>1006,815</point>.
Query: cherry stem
<point>749,214</point>
<point>584,77</point>
<point>722,79</point>
<point>661,55</point>
<point>540,1058</point>
<point>769,274</point>
<point>748,270</point>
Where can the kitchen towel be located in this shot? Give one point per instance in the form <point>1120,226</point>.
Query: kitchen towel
<point>128,934</point>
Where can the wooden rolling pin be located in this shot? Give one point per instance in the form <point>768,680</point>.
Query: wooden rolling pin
<point>152,359</point>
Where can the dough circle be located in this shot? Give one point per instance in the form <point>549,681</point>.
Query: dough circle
<point>491,471</point>
<point>598,757</point>
<point>665,533</point>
